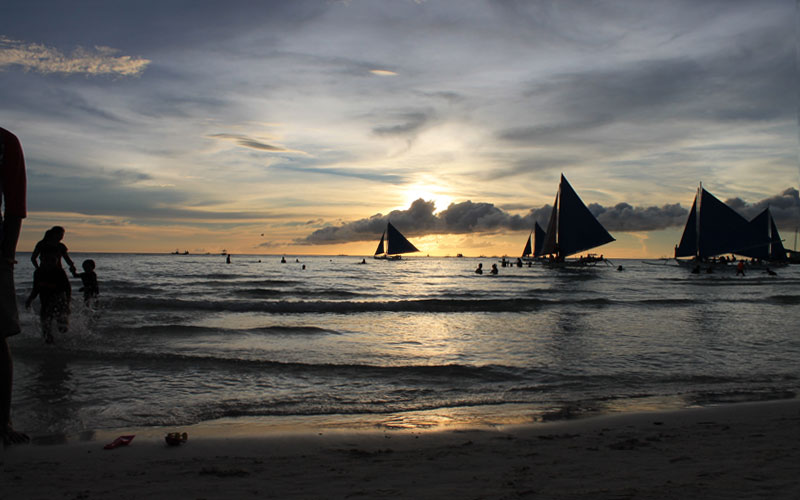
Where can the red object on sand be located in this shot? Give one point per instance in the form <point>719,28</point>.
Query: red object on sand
<point>120,441</point>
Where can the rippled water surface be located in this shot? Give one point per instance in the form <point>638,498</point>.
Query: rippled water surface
<point>178,340</point>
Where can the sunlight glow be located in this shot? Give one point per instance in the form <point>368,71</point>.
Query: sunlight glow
<point>427,193</point>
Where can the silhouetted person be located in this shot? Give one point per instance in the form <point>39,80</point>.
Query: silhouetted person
<point>12,198</point>
<point>49,251</point>
<point>90,288</point>
<point>620,268</point>
<point>228,259</point>
<point>283,260</point>
<point>50,282</point>
<point>479,270</point>
<point>494,269</point>
<point>740,268</point>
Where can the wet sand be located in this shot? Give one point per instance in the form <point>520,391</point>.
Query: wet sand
<point>748,450</point>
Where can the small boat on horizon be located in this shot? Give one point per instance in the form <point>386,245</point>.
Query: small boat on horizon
<point>393,244</point>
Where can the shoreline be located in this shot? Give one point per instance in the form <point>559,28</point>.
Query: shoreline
<point>739,450</point>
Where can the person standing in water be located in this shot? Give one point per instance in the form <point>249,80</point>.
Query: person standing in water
<point>13,190</point>
<point>50,282</point>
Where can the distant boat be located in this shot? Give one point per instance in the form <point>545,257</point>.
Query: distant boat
<point>714,229</point>
<point>572,229</point>
<point>392,244</point>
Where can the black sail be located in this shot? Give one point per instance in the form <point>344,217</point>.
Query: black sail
<point>549,246</point>
<point>538,239</point>
<point>578,229</point>
<point>527,250</point>
<point>688,245</point>
<point>764,226</point>
<point>572,227</point>
<point>396,243</point>
<point>722,230</point>
<point>379,250</point>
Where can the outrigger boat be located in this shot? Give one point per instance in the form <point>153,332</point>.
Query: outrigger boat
<point>572,229</point>
<point>392,244</point>
<point>715,232</point>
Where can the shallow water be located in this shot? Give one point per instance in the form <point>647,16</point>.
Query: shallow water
<point>178,340</point>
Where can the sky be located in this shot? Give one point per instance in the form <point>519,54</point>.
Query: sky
<point>301,127</point>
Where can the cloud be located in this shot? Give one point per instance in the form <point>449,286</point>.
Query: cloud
<point>382,72</point>
<point>785,207</point>
<point>470,217</point>
<point>751,81</point>
<point>42,59</point>
<point>248,142</point>
<point>624,217</point>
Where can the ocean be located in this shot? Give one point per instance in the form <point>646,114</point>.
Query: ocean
<point>422,343</point>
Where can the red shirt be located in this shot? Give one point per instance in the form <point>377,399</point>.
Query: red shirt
<point>12,175</point>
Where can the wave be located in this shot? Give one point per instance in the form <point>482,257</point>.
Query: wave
<point>235,367</point>
<point>445,303</point>
<point>271,292</point>
<point>783,299</point>
<point>176,329</point>
<point>348,306</point>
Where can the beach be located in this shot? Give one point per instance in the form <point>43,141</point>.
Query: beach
<point>745,450</point>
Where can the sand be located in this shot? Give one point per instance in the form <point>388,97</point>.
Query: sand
<point>749,450</point>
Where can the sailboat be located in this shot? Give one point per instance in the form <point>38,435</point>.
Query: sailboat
<point>537,237</point>
<point>572,229</point>
<point>713,228</point>
<point>392,244</point>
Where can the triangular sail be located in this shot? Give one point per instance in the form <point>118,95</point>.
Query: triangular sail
<point>578,229</point>
<point>396,243</point>
<point>764,227</point>
<point>778,252</point>
<point>688,244</point>
<point>379,250</point>
<point>549,246</point>
<point>538,239</point>
<point>526,252</point>
<point>722,230</point>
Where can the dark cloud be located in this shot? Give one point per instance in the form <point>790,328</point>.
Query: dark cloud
<point>751,80</point>
<point>785,207</point>
<point>624,217</point>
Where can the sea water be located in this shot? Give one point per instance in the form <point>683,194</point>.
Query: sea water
<point>423,342</point>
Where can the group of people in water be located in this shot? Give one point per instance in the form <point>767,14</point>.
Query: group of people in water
<point>726,260</point>
<point>51,284</point>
